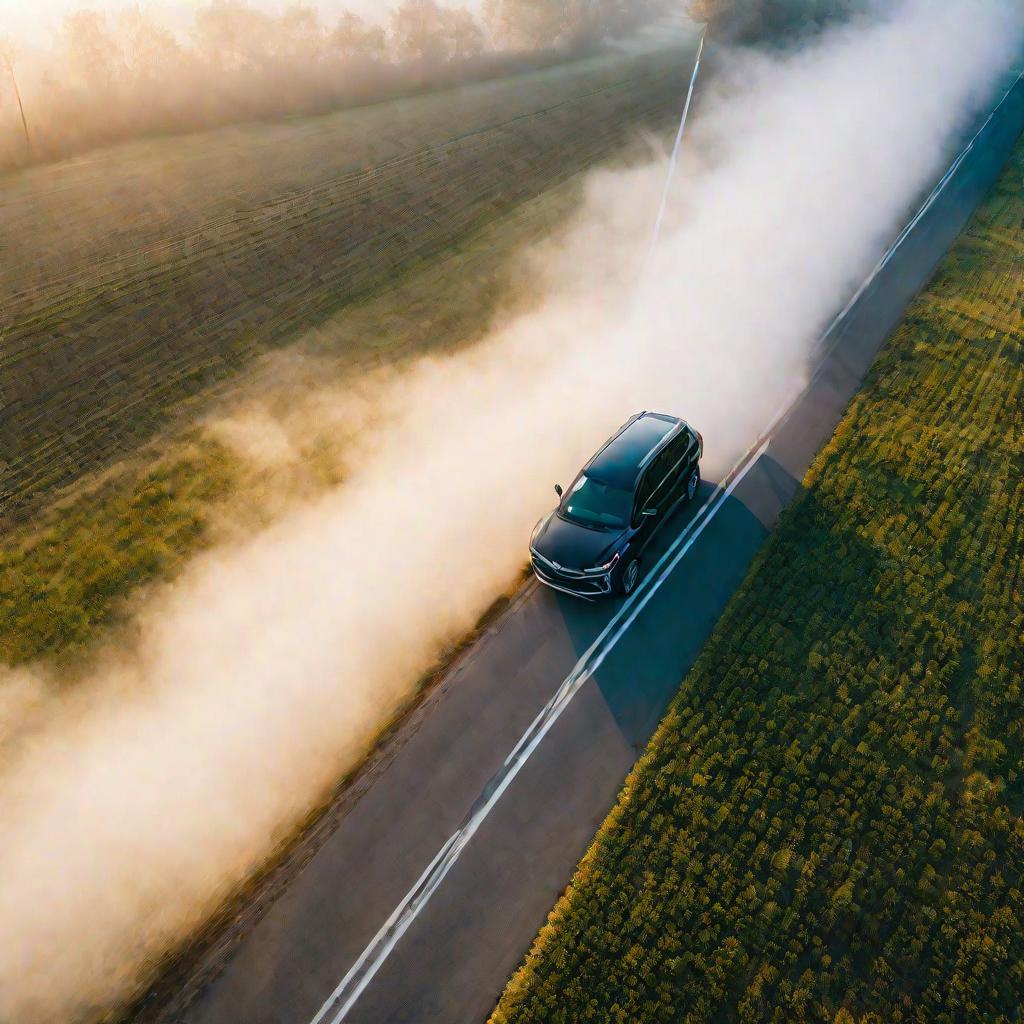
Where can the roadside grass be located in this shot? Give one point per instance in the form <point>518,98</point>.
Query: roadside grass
<point>144,275</point>
<point>827,824</point>
<point>62,580</point>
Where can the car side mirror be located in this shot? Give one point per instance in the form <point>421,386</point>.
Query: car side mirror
<point>649,512</point>
<point>558,489</point>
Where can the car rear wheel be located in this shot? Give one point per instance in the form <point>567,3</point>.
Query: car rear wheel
<point>693,484</point>
<point>630,577</point>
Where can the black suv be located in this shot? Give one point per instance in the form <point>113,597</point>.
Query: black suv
<point>590,546</point>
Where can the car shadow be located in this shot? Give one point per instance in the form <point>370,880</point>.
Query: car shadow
<point>584,619</point>
<point>675,609</point>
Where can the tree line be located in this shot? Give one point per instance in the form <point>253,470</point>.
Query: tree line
<point>106,78</point>
<point>768,20</point>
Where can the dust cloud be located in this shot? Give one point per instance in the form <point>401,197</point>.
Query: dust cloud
<point>129,810</point>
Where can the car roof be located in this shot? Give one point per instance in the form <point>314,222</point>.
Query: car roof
<point>619,462</point>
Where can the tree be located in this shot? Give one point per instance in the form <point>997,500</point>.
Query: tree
<point>298,34</point>
<point>352,36</point>
<point>426,31</point>
<point>90,50</point>
<point>526,24</point>
<point>418,31</point>
<point>749,20</point>
<point>464,35</point>
<point>150,51</point>
<point>229,34</point>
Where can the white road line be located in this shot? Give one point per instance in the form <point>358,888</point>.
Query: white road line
<point>369,962</point>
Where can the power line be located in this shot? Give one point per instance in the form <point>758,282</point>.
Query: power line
<point>671,173</point>
<point>678,144</point>
<point>21,105</point>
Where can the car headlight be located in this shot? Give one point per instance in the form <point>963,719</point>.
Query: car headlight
<point>600,570</point>
<point>536,529</point>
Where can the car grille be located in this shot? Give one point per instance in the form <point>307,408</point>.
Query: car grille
<point>572,580</point>
<point>554,569</point>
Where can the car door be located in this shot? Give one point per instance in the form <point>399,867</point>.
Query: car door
<point>644,525</point>
<point>654,498</point>
<point>663,486</point>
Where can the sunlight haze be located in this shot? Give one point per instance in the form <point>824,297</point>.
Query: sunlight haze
<point>33,20</point>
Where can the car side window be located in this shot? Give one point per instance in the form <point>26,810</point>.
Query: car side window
<point>681,453</point>
<point>664,472</point>
<point>650,491</point>
<point>687,450</point>
<point>661,470</point>
<point>667,467</point>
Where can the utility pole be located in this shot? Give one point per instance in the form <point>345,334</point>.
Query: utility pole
<point>21,106</point>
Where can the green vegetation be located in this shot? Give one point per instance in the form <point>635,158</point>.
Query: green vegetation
<point>152,272</point>
<point>63,579</point>
<point>826,826</point>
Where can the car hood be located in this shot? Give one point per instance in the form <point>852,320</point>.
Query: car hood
<point>573,546</point>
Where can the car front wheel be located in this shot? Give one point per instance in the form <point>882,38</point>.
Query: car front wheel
<point>629,577</point>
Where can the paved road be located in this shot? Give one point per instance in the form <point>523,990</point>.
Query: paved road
<point>453,961</point>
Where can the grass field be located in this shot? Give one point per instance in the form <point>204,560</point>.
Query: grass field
<point>827,824</point>
<point>64,580</point>
<point>140,276</point>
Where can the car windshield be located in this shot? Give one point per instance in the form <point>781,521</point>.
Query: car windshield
<point>597,505</point>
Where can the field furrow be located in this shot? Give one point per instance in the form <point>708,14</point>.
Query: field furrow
<point>106,332</point>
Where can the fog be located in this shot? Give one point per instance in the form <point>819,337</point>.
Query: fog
<point>246,689</point>
<point>38,19</point>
